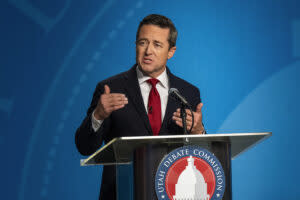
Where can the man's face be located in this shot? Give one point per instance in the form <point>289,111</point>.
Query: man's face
<point>152,50</point>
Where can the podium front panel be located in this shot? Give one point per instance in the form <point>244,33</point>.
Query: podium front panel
<point>138,158</point>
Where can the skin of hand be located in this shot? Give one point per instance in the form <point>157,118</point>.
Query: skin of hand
<point>198,126</point>
<point>109,102</point>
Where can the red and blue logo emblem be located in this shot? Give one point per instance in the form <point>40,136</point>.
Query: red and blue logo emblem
<point>190,172</point>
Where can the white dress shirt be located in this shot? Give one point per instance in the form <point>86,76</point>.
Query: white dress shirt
<point>162,87</point>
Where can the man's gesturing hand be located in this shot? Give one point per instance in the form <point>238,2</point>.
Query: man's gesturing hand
<point>108,103</point>
<point>198,126</point>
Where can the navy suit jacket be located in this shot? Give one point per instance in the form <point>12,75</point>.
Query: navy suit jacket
<point>132,120</point>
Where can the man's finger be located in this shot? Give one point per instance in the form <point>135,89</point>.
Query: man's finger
<point>188,114</point>
<point>111,98</point>
<point>199,107</point>
<point>177,114</point>
<point>179,123</point>
<point>106,89</point>
<point>112,108</point>
<point>117,95</point>
<point>187,111</point>
<point>175,118</point>
<point>117,107</point>
<point>117,103</point>
<point>118,100</point>
<point>189,118</point>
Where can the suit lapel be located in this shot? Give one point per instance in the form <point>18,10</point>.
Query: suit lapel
<point>135,96</point>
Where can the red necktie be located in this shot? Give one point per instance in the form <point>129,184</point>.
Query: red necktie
<point>154,107</point>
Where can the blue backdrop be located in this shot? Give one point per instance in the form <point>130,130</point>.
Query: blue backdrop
<point>243,55</point>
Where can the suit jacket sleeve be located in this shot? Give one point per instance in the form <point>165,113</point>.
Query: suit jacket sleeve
<point>86,139</point>
<point>196,99</point>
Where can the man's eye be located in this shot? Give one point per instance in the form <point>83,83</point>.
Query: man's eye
<point>141,43</point>
<point>157,45</point>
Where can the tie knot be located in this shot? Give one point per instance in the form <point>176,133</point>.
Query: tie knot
<point>153,81</point>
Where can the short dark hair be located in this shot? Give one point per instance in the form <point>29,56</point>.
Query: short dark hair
<point>162,22</point>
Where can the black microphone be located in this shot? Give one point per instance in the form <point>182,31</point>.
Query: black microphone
<point>173,92</point>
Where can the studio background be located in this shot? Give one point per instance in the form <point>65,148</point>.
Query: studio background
<point>243,55</point>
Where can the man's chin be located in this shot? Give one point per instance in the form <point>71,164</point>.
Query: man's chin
<point>150,71</point>
<point>146,72</point>
<point>146,68</point>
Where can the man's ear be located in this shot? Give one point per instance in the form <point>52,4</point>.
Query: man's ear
<point>171,52</point>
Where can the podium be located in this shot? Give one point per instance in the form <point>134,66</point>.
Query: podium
<point>138,159</point>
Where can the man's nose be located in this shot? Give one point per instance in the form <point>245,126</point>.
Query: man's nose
<point>149,49</point>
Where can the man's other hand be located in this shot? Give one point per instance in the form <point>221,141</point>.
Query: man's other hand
<point>198,126</point>
<point>108,103</point>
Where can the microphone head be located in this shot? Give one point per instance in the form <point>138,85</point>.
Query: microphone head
<point>172,90</point>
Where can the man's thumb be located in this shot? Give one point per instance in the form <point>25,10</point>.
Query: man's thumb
<point>199,107</point>
<point>106,89</point>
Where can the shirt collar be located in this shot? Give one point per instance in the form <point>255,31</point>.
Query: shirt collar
<point>163,77</point>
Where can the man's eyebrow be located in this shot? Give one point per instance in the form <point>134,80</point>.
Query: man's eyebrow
<point>156,41</point>
<point>142,39</point>
<point>145,39</point>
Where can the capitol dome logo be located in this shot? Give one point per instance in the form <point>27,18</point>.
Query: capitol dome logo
<point>190,172</point>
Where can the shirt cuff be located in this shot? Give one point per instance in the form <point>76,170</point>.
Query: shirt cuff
<point>96,124</point>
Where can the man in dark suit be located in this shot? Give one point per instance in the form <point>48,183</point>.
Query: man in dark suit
<point>136,103</point>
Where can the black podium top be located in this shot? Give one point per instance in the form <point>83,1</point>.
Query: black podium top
<point>120,150</point>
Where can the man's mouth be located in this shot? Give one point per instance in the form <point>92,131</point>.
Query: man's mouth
<point>147,60</point>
